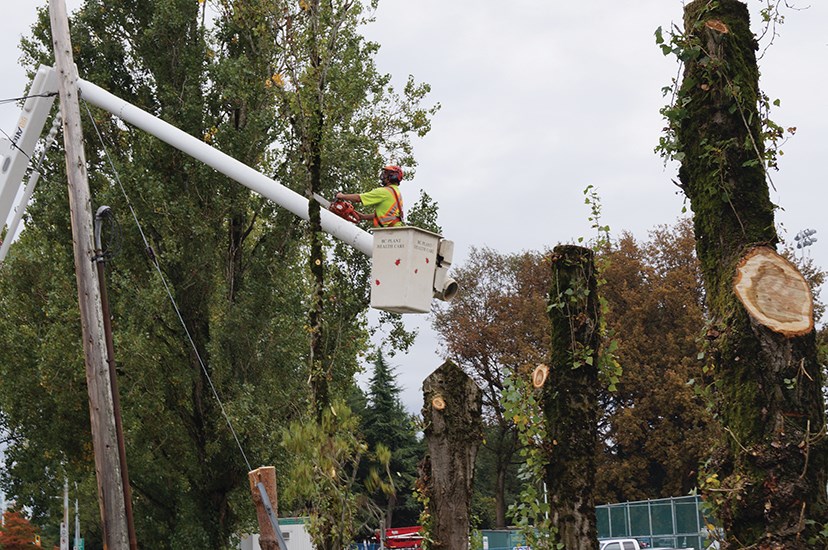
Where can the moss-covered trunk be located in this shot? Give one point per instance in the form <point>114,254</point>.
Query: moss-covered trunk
<point>767,480</point>
<point>312,150</point>
<point>453,431</point>
<point>570,396</point>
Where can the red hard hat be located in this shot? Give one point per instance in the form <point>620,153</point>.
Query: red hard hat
<point>395,171</point>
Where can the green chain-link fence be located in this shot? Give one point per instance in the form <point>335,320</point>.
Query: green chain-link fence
<point>676,522</point>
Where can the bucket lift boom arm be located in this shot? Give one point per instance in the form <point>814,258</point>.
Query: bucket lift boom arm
<point>15,154</point>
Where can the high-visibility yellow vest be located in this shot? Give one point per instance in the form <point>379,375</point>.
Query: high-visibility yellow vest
<point>388,209</point>
<point>394,215</point>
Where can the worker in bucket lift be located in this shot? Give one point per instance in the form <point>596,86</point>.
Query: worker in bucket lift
<point>386,201</point>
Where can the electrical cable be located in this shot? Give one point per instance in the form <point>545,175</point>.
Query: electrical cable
<point>8,137</point>
<point>16,99</point>
<point>154,259</point>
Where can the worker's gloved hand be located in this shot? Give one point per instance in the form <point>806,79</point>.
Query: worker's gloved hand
<point>340,195</point>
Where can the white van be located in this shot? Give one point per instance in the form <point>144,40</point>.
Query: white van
<point>619,544</point>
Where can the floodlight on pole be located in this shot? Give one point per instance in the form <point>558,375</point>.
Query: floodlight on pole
<point>805,238</point>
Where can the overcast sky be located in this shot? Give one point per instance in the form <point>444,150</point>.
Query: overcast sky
<point>541,98</point>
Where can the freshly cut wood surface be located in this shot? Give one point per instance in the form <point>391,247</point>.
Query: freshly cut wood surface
<point>774,292</point>
<point>539,375</point>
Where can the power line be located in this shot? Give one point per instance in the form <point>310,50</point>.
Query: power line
<point>22,98</point>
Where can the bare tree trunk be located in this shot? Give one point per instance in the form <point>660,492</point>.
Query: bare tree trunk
<point>454,429</point>
<point>500,496</point>
<point>570,397</point>
<point>767,480</point>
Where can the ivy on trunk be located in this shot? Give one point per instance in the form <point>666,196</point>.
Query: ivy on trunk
<point>767,478</point>
<point>570,396</point>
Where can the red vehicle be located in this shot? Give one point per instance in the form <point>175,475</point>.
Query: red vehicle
<point>402,537</point>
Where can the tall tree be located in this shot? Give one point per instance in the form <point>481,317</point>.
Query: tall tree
<point>217,246</point>
<point>386,423</point>
<point>235,265</point>
<point>767,478</point>
<point>341,120</point>
<point>494,327</point>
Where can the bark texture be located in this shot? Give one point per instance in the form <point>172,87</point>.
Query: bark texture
<point>267,476</point>
<point>453,430</point>
<point>767,480</point>
<point>570,396</point>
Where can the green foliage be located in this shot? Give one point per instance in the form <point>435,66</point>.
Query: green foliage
<point>609,368</point>
<point>325,460</point>
<point>426,521</point>
<point>602,232</point>
<point>338,120</point>
<point>476,540</point>
<point>530,512</point>
<point>820,538</point>
<point>766,147</point>
<point>236,265</point>
<point>333,103</point>
<point>398,338</point>
<point>424,214</point>
<point>389,432</point>
<point>489,470</point>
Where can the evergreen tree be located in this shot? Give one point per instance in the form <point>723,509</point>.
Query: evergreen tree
<point>386,424</point>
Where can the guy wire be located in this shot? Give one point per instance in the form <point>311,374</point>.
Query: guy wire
<point>154,258</point>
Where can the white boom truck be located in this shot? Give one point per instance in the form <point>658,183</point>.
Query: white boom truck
<point>409,266</point>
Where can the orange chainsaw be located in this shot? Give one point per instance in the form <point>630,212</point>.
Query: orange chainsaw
<point>340,207</point>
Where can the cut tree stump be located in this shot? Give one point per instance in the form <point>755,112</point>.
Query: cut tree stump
<point>774,292</point>
<point>453,432</point>
<point>266,475</point>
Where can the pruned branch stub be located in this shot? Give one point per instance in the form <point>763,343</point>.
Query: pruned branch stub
<point>774,292</point>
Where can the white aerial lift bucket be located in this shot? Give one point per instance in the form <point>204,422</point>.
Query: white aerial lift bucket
<point>408,269</point>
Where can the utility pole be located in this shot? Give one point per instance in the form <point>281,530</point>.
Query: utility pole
<point>77,544</point>
<point>104,440</point>
<point>64,525</point>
